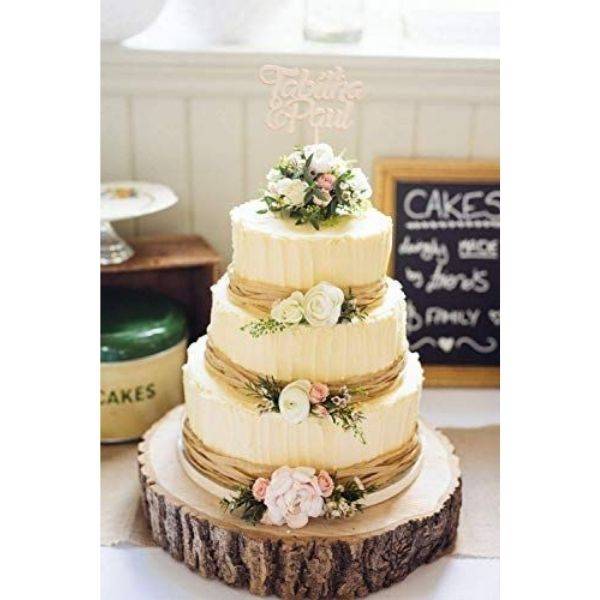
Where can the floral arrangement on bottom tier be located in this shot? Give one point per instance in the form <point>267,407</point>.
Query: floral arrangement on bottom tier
<point>293,495</point>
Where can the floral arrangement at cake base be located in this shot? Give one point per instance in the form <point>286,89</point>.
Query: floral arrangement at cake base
<point>313,185</point>
<point>293,495</point>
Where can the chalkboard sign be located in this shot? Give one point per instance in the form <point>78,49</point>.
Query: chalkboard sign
<point>446,255</point>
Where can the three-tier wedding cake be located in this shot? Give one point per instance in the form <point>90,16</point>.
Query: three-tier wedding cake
<point>302,400</point>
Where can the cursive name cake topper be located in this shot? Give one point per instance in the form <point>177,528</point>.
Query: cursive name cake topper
<point>324,101</point>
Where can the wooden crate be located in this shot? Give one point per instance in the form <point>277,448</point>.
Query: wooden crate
<point>182,267</point>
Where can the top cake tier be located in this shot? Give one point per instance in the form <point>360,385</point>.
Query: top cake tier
<point>274,250</point>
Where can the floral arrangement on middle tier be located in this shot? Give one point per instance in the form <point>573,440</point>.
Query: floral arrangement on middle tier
<point>301,398</point>
<point>323,305</point>
<point>291,495</point>
<point>313,185</point>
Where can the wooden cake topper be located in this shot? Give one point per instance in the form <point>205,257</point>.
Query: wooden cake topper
<point>324,100</point>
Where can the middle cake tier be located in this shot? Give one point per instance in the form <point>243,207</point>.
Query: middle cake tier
<point>328,354</point>
<point>230,422</point>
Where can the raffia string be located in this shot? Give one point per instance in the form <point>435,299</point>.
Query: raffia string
<point>258,296</point>
<point>372,384</point>
<point>231,472</point>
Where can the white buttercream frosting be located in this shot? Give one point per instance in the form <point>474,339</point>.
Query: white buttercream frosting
<point>230,423</point>
<point>329,353</point>
<point>270,249</point>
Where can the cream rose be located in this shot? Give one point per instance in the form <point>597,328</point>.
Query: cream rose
<point>292,190</point>
<point>323,304</point>
<point>360,184</point>
<point>289,311</point>
<point>294,403</point>
<point>293,495</point>
<point>323,158</point>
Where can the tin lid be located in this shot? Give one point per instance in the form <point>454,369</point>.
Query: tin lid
<point>136,323</point>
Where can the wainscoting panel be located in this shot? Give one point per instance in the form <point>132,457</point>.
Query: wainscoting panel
<point>160,136</point>
<point>196,123</point>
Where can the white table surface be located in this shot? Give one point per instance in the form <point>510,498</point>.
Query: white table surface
<point>128,573</point>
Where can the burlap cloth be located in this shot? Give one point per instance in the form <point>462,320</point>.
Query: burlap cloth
<point>122,522</point>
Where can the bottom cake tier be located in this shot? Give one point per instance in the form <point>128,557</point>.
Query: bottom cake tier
<point>230,423</point>
<point>344,558</point>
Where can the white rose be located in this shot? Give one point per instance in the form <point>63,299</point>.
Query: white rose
<point>292,190</point>
<point>294,403</point>
<point>322,157</point>
<point>274,175</point>
<point>360,184</point>
<point>323,304</point>
<point>289,311</point>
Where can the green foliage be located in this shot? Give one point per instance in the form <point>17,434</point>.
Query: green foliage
<point>350,310</point>
<point>348,419</point>
<point>267,389</point>
<point>262,327</point>
<point>242,500</point>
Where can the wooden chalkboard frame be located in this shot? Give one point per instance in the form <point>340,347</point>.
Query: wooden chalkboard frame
<point>387,172</point>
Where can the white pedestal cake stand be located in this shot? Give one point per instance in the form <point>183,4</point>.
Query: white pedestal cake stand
<point>325,559</point>
<point>117,205</point>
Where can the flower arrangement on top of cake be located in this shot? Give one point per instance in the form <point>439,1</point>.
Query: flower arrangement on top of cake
<point>312,185</point>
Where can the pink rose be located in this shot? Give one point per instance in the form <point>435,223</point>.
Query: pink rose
<point>317,393</point>
<point>319,410</point>
<point>259,489</point>
<point>326,181</point>
<point>325,484</point>
<point>292,497</point>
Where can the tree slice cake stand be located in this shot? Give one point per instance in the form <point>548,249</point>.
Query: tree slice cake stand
<point>327,558</point>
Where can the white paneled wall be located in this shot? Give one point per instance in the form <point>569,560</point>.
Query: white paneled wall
<point>196,123</point>
<point>217,151</point>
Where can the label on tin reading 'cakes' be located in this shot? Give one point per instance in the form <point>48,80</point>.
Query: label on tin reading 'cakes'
<point>125,395</point>
<point>136,393</point>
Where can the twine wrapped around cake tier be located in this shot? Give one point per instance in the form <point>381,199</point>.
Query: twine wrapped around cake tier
<point>260,297</point>
<point>231,472</point>
<point>371,384</point>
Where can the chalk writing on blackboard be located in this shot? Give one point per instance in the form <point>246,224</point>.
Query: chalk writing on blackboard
<point>448,343</point>
<point>447,258</point>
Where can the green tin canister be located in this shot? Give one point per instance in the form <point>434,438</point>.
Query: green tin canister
<point>143,342</point>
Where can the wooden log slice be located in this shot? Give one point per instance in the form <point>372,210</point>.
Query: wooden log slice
<point>326,559</point>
